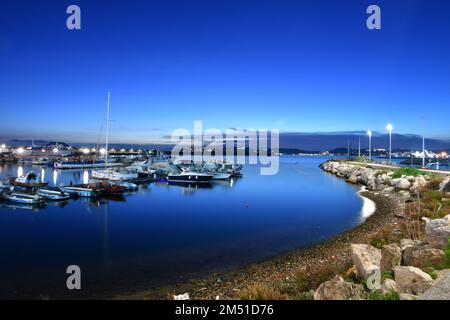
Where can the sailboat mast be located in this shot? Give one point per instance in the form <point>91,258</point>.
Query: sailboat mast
<point>107,129</point>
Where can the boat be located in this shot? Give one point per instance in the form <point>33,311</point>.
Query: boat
<point>81,190</point>
<point>114,175</point>
<point>111,174</point>
<point>25,198</point>
<point>219,175</point>
<point>5,186</point>
<point>54,194</point>
<point>190,177</point>
<point>27,181</point>
<point>40,161</point>
<point>84,164</point>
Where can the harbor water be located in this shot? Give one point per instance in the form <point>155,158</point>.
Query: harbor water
<point>164,234</point>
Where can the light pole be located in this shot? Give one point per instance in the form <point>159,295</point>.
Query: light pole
<point>390,127</point>
<point>369,133</point>
<point>423,151</point>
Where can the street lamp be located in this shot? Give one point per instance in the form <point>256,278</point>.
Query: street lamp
<point>369,133</point>
<point>390,127</point>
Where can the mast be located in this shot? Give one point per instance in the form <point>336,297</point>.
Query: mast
<point>107,129</point>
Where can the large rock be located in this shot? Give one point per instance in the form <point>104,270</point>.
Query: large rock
<point>338,289</point>
<point>408,251</point>
<point>406,243</point>
<point>366,259</point>
<point>427,257</point>
<point>412,280</point>
<point>445,185</point>
<point>391,256</point>
<point>403,184</point>
<point>437,232</point>
<point>419,183</point>
<point>388,285</point>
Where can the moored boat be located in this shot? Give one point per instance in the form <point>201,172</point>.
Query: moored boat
<point>25,198</point>
<point>27,181</point>
<point>54,194</point>
<point>79,190</point>
<point>190,177</point>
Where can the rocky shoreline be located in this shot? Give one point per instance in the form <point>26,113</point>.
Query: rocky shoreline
<point>341,257</point>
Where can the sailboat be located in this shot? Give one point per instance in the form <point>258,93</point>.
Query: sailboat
<point>111,174</point>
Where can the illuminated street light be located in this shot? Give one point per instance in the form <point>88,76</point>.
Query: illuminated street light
<point>369,133</point>
<point>55,150</point>
<point>102,151</point>
<point>389,127</point>
<point>86,151</point>
<point>20,150</point>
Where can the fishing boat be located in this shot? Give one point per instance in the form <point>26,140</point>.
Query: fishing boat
<point>27,181</point>
<point>53,194</point>
<point>190,177</point>
<point>25,198</point>
<point>81,190</point>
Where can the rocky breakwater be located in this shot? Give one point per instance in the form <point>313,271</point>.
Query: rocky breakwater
<point>375,179</point>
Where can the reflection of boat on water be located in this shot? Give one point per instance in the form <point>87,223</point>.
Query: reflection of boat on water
<point>24,198</point>
<point>190,185</point>
<point>27,181</point>
<point>53,194</point>
<point>21,206</point>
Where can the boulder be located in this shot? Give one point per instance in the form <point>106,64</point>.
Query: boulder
<point>366,259</point>
<point>353,179</point>
<point>418,183</point>
<point>445,185</point>
<point>406,243</point>
<point>388,286</point>
<point>437,232</point>
<point>427,257</point>
<point>407,253</point>
<point>338,289</point>
<point>407,296</point>
<point>403,184</point>
<point>412,280</point>
<point>391,256</point>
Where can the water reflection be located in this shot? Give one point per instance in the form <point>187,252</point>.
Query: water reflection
<point>85,177</point>
<point>20,171</point>
<point>55,177</point>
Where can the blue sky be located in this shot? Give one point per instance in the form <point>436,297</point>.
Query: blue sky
<point>299,66</point>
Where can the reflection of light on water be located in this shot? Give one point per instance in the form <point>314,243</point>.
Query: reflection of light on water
<point>85,177</point>
<point>20,171</point>
<point>231,183</point>
<point>368,207</point>
<point>55,177</point>
<point>42,174</point>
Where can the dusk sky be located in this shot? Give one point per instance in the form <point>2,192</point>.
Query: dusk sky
<point>297,66</point>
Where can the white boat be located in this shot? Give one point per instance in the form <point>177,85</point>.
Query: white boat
<point>190,177</point>
<point>54,194</point>
<point>80,191</point>
<point>111,174</point>
<point>25,198</point>
<point>114,175</point>
<point>28,181</point>
<point>84,164</point>
<point>219,175</point>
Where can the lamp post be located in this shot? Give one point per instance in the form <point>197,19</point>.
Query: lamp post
<point>390,127</point>
<point>369,133</point>
<point>423,151</point>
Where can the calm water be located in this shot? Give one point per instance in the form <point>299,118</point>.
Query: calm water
<point>162,234</point>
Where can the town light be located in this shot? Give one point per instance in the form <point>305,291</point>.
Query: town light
<point>102,150</point>
<point>86,151</point>
<point>20,150</point>
<point>55,150</point>
<point>3,146</point>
